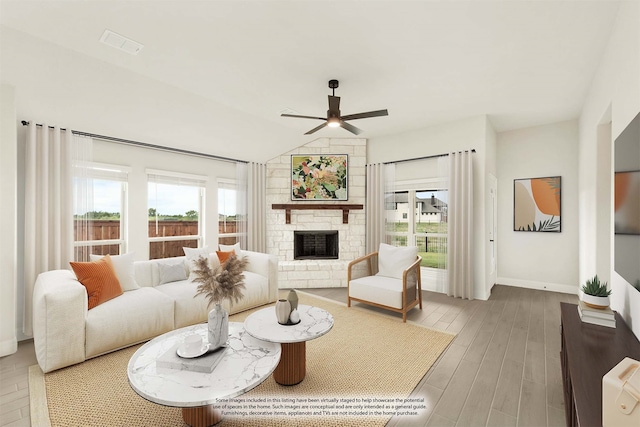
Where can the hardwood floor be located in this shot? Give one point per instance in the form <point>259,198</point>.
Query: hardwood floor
<point>14,386</point>
<point>502,369</point>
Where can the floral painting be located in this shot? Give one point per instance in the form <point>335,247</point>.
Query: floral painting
<point>319,177</point>
<point>536,204</point>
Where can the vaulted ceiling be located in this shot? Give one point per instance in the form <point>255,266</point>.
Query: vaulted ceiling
<point>242,63</point>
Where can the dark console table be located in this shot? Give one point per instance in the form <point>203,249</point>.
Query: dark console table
<point>588,353</point>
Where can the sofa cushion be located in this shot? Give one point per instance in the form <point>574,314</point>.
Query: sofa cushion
<point>123,266</point>
<point>171,272</point>
<point>256,292</point>
<point>381,290</point>
<point>131,318</point>
<point>189,309</point>
<point>393,260</point>
<point>99,278</point>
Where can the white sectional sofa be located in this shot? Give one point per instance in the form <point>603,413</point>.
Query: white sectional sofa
<point>65,332</point>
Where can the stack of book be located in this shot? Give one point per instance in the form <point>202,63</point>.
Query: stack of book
<point>596,316</point>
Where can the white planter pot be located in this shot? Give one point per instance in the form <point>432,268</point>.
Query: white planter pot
<point>594,302</point>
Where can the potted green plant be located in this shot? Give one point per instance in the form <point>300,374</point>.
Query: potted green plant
<point>595,294</point>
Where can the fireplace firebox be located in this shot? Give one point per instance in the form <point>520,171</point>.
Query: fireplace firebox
<point>315,244</point>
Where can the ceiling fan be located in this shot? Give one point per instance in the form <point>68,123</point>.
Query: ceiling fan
<point>334,119</point>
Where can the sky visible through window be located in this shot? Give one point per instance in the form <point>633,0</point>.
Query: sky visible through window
<point>106,197</point>
<point>172,200</point>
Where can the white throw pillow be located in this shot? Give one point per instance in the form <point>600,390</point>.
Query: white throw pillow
<point>171,272</point>
<point>393,260</point>
<point>123,267</point>
<point>192,255</point>
<point>234,247</point>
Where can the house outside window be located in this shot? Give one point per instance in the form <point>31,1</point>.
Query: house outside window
<point>100,213</point>
<point>175,204</point>
<point>425,227</point>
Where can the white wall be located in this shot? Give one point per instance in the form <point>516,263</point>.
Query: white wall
<point>535,259</point>
<point>109,100</point>
<point>472,133</point>
<point>614,95</point>
<point>8,220</point>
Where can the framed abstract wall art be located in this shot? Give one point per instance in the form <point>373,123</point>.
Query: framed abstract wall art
<point>319,177</point>
<point>536,204</point>
<point>627,202</point>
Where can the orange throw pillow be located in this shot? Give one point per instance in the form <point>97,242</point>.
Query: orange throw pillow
<point>224,256</point>
<point>99,278</point>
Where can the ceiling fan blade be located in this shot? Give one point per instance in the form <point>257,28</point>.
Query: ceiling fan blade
<point>351,128</point>
<point>315,129</point>
<point>334,106</point>
<point>366,115</point>
<point>302,117</point>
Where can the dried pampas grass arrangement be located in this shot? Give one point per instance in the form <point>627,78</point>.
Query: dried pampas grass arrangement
<point>224,282</point>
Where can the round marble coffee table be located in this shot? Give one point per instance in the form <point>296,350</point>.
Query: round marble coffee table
<point>314,322</point>
<point>247,363</point>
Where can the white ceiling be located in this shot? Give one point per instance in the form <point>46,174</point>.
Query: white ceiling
<point>523,63</point>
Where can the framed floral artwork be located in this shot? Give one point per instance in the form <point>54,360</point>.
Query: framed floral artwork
<point>536,204</point>
<point>319,177</point>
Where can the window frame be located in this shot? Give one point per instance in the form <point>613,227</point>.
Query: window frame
<point>114,173</point>
<point>179,179</point>
<point>411,187</point>
<point>228,184</point>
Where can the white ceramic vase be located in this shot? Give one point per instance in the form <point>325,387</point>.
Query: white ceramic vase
<point>218,325</point>
<point>283,309</point>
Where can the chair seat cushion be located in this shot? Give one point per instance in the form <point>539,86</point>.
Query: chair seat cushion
<point>378,289</point>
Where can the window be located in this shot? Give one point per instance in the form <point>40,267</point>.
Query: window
<point>175,203</point>
<point>230,224</point>
<point>426,227</point>
<point>99,208</point>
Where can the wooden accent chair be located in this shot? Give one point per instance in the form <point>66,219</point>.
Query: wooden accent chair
<point>389,278</point>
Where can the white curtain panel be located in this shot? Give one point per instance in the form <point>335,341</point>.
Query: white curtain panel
<point>460,234</point>
<point>442,279</point>
<point>82,185</point>
<point>380,190</point>
<point>48,207</point>
<point>375,216</point>
<point>242,171</point>
<point>256,207</point>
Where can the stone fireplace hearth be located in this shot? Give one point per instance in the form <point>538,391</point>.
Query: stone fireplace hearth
<point>316,272</point>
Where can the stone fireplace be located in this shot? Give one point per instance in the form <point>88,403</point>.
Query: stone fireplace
<point>319,271</point>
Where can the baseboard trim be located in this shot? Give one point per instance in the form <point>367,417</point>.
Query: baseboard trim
<point>543,286</point>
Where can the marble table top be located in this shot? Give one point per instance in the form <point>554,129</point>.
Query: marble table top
<point>314,322</point>
<point>248,362</point>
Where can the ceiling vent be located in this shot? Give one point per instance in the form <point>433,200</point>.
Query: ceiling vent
<point>119,42</point>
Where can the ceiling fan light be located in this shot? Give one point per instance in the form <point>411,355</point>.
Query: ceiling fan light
<point>333,122</point>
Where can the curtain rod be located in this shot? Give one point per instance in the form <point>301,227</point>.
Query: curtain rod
<point>473,150</point>
<point>146,145</point>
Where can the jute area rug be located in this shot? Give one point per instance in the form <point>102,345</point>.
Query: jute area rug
<point>365,356</point>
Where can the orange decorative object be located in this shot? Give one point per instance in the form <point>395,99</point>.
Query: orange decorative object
<point>546,193</point>
<point>622,181</point>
